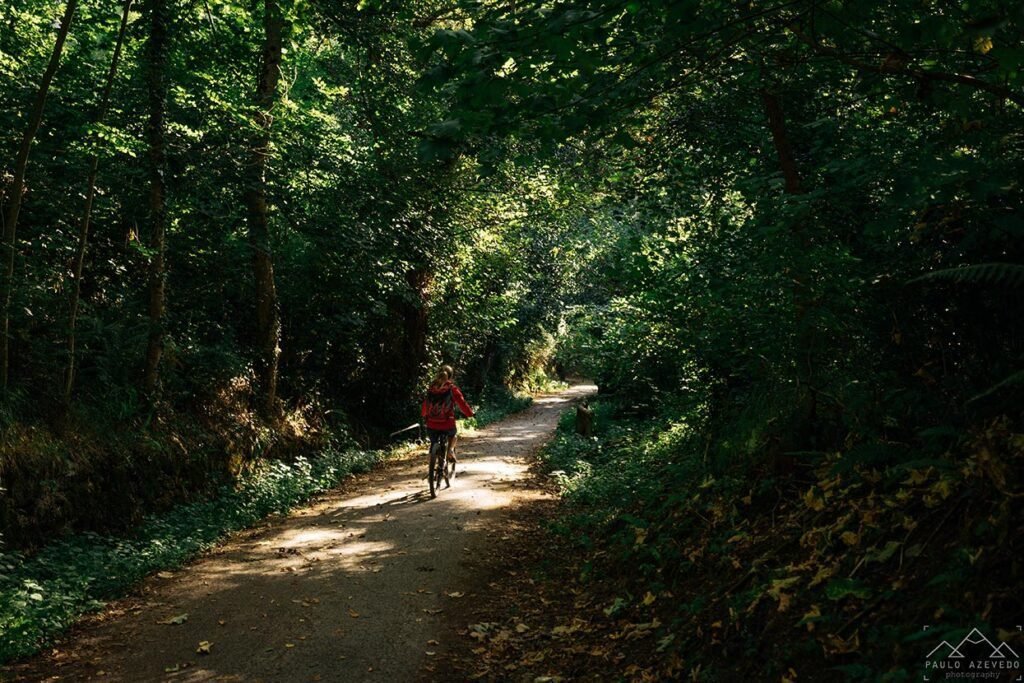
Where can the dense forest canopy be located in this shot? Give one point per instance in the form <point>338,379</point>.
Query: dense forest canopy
<point>208,223</point>
<point>788,231</point>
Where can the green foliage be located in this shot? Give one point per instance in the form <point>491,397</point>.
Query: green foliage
<point>625,460</point>
<point>497,402</point>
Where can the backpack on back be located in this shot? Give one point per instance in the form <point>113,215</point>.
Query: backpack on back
<point>440,405</point>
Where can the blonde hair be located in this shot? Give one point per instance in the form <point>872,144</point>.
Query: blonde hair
<point>444,374</point>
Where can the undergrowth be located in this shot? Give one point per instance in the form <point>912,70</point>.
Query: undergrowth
<point>735,561</point>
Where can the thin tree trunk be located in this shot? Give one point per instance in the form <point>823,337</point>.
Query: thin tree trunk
<point>782,462</point>
<point>777,126</point>
<point>90,195</point>
<point>268,319</point>
<point>415,323</point>
<point>157,81</point>
<point>17,191</point>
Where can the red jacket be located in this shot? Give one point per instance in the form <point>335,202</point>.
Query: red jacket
<point>439,406</point>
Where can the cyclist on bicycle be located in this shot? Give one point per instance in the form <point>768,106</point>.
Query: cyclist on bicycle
<point>439,409</point>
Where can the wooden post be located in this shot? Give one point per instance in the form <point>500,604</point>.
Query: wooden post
<point>584,419</point>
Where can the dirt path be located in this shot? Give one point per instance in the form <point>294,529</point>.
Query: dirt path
<point>355,587</point>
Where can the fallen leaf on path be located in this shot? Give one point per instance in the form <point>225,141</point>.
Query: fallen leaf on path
<point>456,594</point>
<point>432,611</point>
<point>175,621</point>
<point>204,647</point>
<point>165,575</point>
<point>836,645</point>
<point>634,631</point>
<point>352,613</point>
<point>480,631</point>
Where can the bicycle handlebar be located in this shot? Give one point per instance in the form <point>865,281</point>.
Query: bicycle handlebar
<point>415,425</point>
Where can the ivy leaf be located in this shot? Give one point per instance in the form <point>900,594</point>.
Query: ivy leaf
<point>615,607</point>
<point>841,588</point>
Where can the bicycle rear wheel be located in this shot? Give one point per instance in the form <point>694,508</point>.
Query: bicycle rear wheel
<point>431,467</point>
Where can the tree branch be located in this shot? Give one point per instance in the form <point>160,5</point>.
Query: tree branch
<point>890,67</point>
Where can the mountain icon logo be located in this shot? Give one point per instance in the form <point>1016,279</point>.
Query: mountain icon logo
<point>976,638</point>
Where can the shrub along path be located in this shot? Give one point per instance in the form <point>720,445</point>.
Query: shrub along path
<point>361,585</point>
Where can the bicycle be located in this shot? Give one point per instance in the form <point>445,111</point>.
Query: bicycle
<point>438,467</point>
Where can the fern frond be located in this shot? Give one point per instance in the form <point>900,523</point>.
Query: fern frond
<point>1009,274</point>
<point>1013,380</point>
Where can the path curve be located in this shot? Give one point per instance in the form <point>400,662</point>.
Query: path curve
<point>354,587</point>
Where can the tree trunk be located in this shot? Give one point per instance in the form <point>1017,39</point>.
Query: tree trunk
<point>777,126</point>
<point>414,324</point>
<point>17,191</point>
<point>90,195</point>
<point>782,463</point>
<point>156,76</point>
<point>268,318</point>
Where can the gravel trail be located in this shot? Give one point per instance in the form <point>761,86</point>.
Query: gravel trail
<point>355,587</point>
